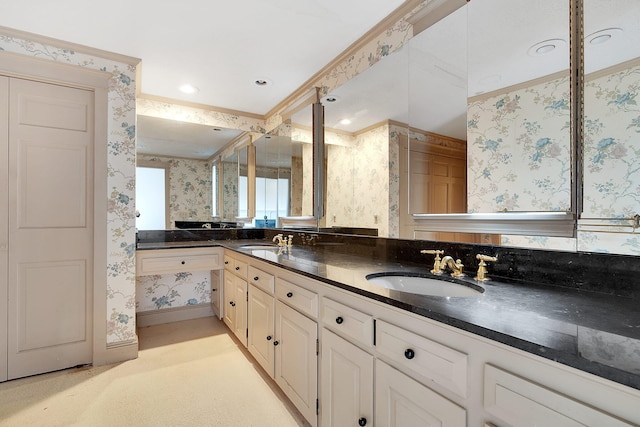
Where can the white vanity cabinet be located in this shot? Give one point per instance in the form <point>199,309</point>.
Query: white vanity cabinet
<point>383,366</point>
<point>282,333</point>
<point>347,383</point>
<point>235,296</point>
<point>166,261</point>
<point>296,370</point>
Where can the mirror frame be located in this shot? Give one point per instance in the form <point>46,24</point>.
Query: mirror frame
<point>555,224</point>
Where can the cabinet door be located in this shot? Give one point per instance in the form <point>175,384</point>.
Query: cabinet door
<point>229,312</point>
<point>401,401</point>
<point>347,383</point>
<point>260,326</point>
<point>296,359</point>
<point>240,317</point>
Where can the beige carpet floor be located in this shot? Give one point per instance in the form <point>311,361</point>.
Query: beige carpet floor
<point>190,373</point>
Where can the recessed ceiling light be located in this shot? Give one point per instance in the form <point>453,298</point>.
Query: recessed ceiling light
<point>331,99</point>
<point>545,47</point>
<point>345,122</point>
<point>262,82</point>
<point>217,129</point>
<point>602,36</point>
<point>188,89</point>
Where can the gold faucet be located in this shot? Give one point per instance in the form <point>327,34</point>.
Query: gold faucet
<point>481,276</point>
<point>279,240</point>
<point>440,264</point>
<point>455,266</point>
<point>437,269</point>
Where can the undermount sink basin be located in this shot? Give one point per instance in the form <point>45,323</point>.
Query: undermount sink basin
<point>423,285</point>
<point>259,246</point>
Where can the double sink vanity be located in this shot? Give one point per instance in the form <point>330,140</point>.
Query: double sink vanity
<point>358,330</point>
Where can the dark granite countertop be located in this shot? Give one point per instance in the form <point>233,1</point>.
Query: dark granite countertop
<point>593,332</point>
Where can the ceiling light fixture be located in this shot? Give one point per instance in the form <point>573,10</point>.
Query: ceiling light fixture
<point>262,82</point>
<point>602,36</point>
<point>545,47</point>
<point>188,89</point>
<point>345,122</point>
<point>217,129</point>
<point>331,99</point>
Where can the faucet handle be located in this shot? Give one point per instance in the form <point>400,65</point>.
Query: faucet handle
<point>437,267</point>
<point>482,266</point>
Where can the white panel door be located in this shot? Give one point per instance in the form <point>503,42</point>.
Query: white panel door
<point>401,401</point>
<point>346,383</point>
<point>260,326</point>
<point>296,359</point>
<point>240,307</point>
<point>50,296</point>
<point>4,220</point>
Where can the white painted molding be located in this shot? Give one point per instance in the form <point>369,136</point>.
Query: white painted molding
<point>174,314</point>
<point>555,224</point>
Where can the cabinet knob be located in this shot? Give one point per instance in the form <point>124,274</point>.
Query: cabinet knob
<point>213,289</point>
<point>362,421</point>
<point>226,263</point>
<point>256,278</point>
<point>339,320</point>
<point>237,268</point>
<point>409,354</point>
<point>289,294</point>
<point>183,262</point>
<point>233,304</point>
<point>276,342</point>
<point>269,337</point>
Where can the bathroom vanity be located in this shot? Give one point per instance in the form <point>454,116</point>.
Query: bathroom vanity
<point>347,351</point>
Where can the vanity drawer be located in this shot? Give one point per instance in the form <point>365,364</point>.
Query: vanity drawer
<point>235,266</point>
<point>438,363</point>
<point>260,279</point>
<point>167,261</point>
<point>517,401</point>
<point>348,321</point>
<point>297,297</point>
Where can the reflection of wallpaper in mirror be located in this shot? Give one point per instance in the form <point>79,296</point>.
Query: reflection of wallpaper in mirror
<point>189,188</point>
<point>230,205</point>
<point>519,149</point>
<point>612,158</point>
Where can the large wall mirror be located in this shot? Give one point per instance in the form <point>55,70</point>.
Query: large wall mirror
<point>200,188</point>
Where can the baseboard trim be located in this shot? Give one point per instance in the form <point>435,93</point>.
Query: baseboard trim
<point>116,353</point>
<point>169,315</point>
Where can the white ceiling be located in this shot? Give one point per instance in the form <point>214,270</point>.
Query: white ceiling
<point>221,47</point>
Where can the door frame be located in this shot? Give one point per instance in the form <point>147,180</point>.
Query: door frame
<point>46,71</point>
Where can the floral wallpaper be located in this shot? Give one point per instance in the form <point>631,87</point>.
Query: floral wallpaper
<point>503,142</point>
<point>189,188</point>
<point>167,110</point>
<point>360,178</point>
<point>120,322</point>
<point>157,292</point>
<point>230,206</point>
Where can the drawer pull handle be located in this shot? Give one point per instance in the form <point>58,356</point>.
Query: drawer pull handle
<point>226,263</point>
<point>269,337</point>
<point>256,278</point>
<point>362,421</point>
<point>339,320</point>
<point>289,294</point>
<point>183,262</point>
<point>276,342</point>
<point>237,268</point>
<point>409,354</point>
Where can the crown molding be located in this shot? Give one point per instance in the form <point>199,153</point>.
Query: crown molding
<point>50,41</point>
